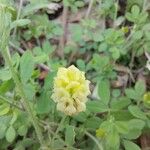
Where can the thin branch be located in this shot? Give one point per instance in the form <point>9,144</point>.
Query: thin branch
<point>18,16</point>
<point>144,5</point>
<point>43,66</point>
<point>95,140</point>
<point>147,55</point>
<point>58,128</point>
<point>64,36</point>
<point>9,102</point>
<point>89,8</point>
<point>20,50</point>
<point>125,70</point>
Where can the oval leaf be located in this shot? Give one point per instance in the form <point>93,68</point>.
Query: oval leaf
<point>130,145</point>
<point>70,135</point>
<point>26,66</point>
<point>10,134</point>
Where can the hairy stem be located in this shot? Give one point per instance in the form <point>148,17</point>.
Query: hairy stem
<point>18,16</point>
<point>95,140</point>
<point>58,129</point>
<point>10,102</point>
<point>26,103</point>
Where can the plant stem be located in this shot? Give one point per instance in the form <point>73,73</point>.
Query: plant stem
<point>9,102</point>
<point>115,14</point>
<point>89,9</point>
<point>58,129</point>
<point>18,16</point>
<point>95,140</point>
<point>26,103</point>
<point>63,38</point>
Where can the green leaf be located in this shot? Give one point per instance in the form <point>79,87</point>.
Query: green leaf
<point>135,129</point>
<point>140,87</point>
<point>104,91</point>
<point>49,79</point>
<point>81,64</point>
<point>66,3</point>
<point>98,37</point>
<point>5,21</point>
<point>77,32</point>
<point>131,93</point>
<point>20,23</point>
<point>122,127</point>
<point>115,53</point>
<point>4,109</point>
<point>136,124</point>
<point>10,134</point>
<point>3,128</point>
<point>4,122</point>
<point>137,35</point>
<point>130,145</point>
<point>33,7</point>
<point>122,115</point>
<point>6,86</point>
<point>116,93</point>
<point>70,135</point>
<point>113,140</point>
<point>43,103</point>
<point>79,3</point>
<point>29,90</point>
<point>27,142</point>
<point>129,17</point>
<point>135,15</point>
<point>14,118</point>
<point>97,106</point>
<point>102,47</point>
<point>47,47</point>
<point>93,122</point>
<point>5,74</point>
<point>135,11</point>
<point>120,103</point>
<point>58,144</point>
<point>135,111</point>
<point>41,58</point>
<point>81,117</point>
<point>133,134</point>
<point>26,66</point>
<point>22,130</point>
<point>100,62</point>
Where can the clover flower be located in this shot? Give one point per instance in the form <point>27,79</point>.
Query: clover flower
<point>70,90</point>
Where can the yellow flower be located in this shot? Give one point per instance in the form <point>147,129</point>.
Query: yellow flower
<point>100,133</point>
<point>70,90</point>
<point>125,29</point>
<point>146,98</point>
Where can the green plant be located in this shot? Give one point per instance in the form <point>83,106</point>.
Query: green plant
<point>111,49</point>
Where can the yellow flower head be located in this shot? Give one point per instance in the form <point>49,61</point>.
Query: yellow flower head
<point>70,90</point>
<point>147,98</point>
<point>125,29</point>
<point>100,133</point>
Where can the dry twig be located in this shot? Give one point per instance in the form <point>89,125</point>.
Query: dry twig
<point>64,36</point>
